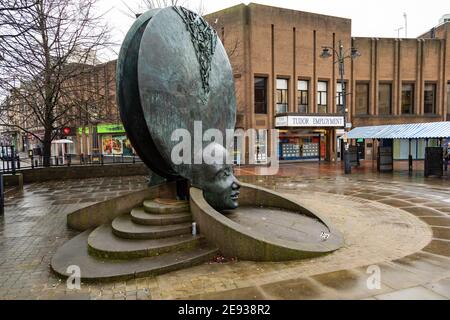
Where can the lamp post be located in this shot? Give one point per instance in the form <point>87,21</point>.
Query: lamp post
<point>341,55</point>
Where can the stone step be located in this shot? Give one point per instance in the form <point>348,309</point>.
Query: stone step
<point>140,216</point>
<point>104,244</point>
<point>124,227</point>
<point>161,206</point>
<point>74,252</point>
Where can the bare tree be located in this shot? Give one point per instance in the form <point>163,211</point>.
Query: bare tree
<point>44,60</point>
<point>6,8</point>
<point>151,4</point>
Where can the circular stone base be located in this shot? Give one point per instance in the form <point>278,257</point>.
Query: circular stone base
<point>279,224</point>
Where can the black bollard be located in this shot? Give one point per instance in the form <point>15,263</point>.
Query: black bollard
<point>13,161</point>
<point>2,196</point>
<point>347,164</point>
<point>410,163</point>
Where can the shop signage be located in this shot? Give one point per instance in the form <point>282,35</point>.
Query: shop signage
<point>104,128</point>
<point>110,128</point>
<point>309,121</point>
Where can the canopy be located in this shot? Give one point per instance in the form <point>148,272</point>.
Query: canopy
<point>62,141</point>
<point>403,131</point>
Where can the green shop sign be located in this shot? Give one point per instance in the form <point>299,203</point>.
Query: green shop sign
<point>104,128</point>
<point>110,128</point>
<point>80,130</point>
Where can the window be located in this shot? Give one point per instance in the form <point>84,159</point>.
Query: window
<point>282,96</point>
<point>261,146</point>
<point>339,97</point>
<point>385,98</point>
<point>429,104</point>
<point>362,98</point>
<point>448,100</point>
<point>322,96</point>
<point>303,93</point>
<point>260,95</point>
<point>408,98</point>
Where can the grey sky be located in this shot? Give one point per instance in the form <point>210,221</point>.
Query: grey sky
<point>375,18</point>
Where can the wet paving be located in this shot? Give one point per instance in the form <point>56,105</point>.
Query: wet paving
<point>410,207</point>
<point>34,226</point>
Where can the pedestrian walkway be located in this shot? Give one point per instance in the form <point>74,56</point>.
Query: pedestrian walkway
<point>396,223</point>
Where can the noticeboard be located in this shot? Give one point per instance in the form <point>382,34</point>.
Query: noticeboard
<point>385,159</point>
<point>434,161</point>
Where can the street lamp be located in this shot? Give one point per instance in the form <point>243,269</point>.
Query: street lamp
<point>341,55</point>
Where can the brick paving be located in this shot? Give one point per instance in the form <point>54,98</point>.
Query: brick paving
<point>397,222</point>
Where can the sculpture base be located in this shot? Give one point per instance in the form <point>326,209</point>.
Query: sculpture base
<point>266,227</point>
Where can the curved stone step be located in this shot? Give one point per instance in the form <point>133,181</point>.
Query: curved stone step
<point>124,227</point>
<point>140,216</point>
<point>103,243</point>
<point>74,253</point>
<point>162,206</point>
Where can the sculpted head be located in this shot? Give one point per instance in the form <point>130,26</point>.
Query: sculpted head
<point>215,177</point>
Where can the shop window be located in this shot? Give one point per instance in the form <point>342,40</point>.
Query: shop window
<point>282,96</point>
<point>116,145</point>
<point>429,103</point>
<point>293,147</point>
<point>408,98</point>
<point>261,146</point>
<point>362,98</point>
<point>322,96</point>
<point>339,97</point>
<point>260,95</point>
<point>303,96</point>
<point>385,98</point>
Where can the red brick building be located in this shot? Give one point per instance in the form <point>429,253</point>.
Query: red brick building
<point>283,83</point>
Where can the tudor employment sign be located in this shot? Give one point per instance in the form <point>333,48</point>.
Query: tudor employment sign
<point>309,121</point>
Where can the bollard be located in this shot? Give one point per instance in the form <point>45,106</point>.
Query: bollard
<point>2,196</point>
<point>13,161</point>
<point>410,164</point>
<point>347,164</point>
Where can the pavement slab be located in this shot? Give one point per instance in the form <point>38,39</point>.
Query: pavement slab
<point>398,222</point>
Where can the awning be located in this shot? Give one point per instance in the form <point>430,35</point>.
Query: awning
<point>403,131</point>
<point>62,141</point>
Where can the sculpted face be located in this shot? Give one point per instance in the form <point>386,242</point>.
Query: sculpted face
<point>222,189</point>
<point>216,179</point>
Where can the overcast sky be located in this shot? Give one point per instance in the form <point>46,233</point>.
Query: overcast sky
<point>370,18</point>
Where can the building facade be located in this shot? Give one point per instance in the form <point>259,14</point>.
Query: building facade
<point>283,83</point>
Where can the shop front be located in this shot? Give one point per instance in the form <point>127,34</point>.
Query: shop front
<point>114,140</point>
<point>307,137</point>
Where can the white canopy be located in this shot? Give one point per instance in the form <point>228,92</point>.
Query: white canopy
<point>62,141</point>
<point>403,131</point>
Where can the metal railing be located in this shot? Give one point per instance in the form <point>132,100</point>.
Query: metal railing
<point>11,161</point>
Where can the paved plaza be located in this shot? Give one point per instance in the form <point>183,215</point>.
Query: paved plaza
<point>393,224</point>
